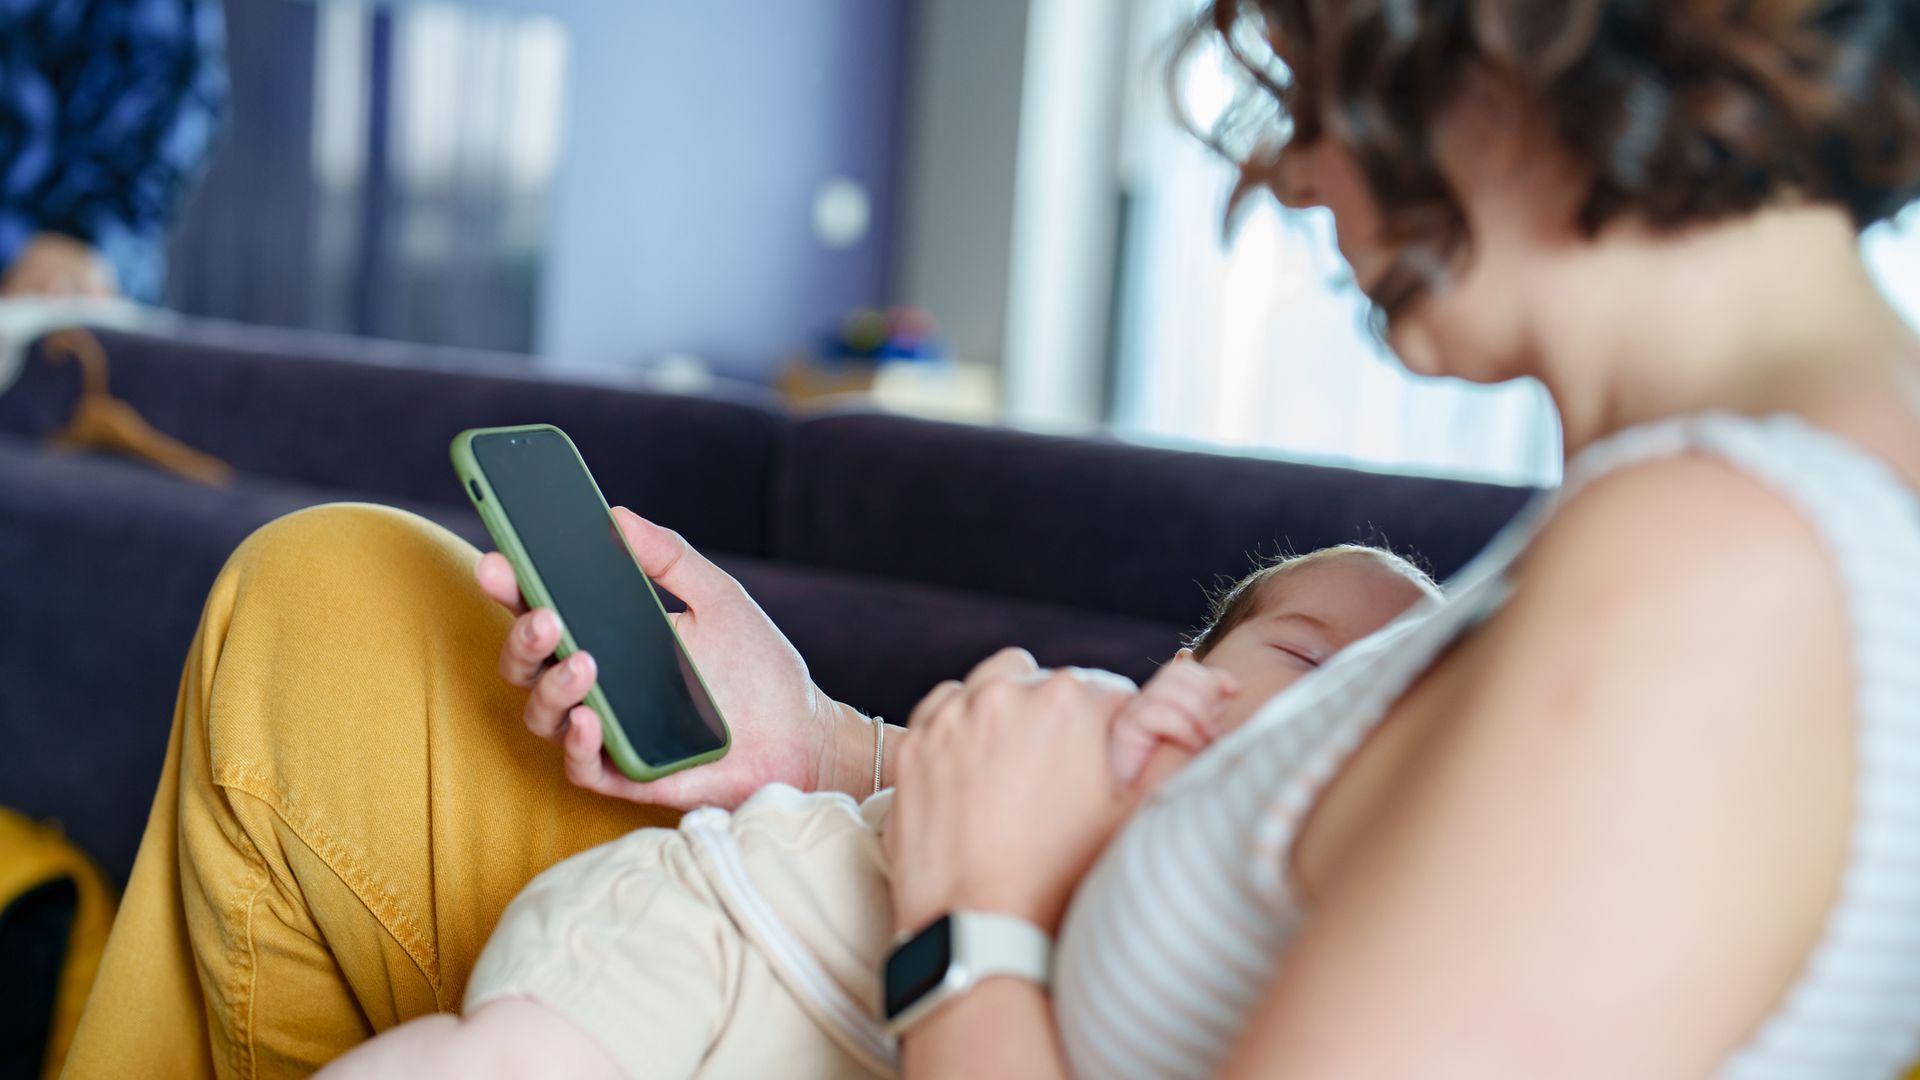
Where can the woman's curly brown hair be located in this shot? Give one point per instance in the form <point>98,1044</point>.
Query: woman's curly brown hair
<point>1681,111</point>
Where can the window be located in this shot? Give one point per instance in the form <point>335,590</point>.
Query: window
<point>1893,251</point>
<point>1261,343</point>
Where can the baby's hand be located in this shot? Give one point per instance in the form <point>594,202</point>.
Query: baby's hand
<point>1181,705</point>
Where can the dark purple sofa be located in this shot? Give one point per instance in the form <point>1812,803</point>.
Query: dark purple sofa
<point>894,552</point>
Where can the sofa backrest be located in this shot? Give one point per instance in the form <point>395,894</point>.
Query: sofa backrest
<point>1093,524</point>
<point>1089,524</point>
<point>337,414</point>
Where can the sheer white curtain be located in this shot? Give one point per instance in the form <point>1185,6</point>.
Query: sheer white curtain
<point>431,211</point>
<point>1893,251</point>
<point>1261,343</point>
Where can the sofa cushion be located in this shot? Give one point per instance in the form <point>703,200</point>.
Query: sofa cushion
<point>880,645</point>
<point>377,419</point>
<point>1089,524</point>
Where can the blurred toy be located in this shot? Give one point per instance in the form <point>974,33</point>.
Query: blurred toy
<point>849,358</point>
<point>898,333</point>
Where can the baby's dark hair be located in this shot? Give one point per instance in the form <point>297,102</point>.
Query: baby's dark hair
<point>1241,601</point>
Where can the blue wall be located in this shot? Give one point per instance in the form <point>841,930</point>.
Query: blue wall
<point>697,133</point>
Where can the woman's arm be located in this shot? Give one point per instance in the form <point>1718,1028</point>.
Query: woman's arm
<point>850,754</point>
<point>1001,1028</point>
<point>1627,820</point>
<point>1006,794</point>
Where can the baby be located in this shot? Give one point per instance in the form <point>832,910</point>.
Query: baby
<point>749,943</point>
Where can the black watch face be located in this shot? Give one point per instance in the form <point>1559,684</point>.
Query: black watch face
<point>918,966</point>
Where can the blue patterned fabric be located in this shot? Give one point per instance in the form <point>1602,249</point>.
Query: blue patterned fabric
<point>108,109</point>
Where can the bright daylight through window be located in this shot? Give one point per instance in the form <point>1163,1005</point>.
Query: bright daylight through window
<point>1260,343</point>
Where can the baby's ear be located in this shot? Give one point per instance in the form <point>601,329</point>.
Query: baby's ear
<point>1183,654</point>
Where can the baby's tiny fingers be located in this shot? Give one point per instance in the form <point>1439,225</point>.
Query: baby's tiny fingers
<point>1187,672</point>
<point>1198,698</point>
<point>1160,717</point>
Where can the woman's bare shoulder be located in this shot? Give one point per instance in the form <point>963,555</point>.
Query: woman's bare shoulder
<point>1651,734</point>
<point>1668,523</point>
<point>1683,584</point>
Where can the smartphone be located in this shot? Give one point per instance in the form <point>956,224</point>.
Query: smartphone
<point>540,503</point>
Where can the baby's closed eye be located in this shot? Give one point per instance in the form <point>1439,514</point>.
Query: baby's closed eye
<point>1306,655</point>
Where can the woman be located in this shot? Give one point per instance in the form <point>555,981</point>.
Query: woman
<point>1632,804</point>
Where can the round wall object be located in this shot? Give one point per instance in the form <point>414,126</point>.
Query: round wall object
<point>842,211</point>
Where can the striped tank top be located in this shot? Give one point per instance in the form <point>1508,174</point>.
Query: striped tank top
<point>1183,921</point>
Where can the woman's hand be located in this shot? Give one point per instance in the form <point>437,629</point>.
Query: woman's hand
<point>1006,792</point>
<point>784,728</point>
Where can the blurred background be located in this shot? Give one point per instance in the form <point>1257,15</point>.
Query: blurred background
<point>744,188</point>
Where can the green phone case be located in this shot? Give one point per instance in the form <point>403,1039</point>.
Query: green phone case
<point>619,748</point>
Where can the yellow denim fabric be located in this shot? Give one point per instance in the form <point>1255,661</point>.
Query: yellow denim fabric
<point>32,854</point>
<point>349,801</point>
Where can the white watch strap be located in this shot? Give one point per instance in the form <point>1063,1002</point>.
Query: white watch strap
<point>986,944</point>
<point>983,946</point>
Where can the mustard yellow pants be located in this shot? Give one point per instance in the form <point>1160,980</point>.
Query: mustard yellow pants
<point>348,803</point>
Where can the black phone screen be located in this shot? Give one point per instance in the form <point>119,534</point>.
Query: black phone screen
<point>601,594</point>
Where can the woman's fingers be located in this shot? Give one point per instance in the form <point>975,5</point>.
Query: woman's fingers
<point>936,698</point>
<point>496,579</point>
<point>564,686</point>
<point>1009,663</point>
<point>531,642</point>
<point>673,563</point>
<point>580,742</point>
<point>587,767</point>
<point>1102,681</point>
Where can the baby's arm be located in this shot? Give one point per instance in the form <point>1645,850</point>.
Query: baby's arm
<point>1175,715</point>
<point>505,1038</point>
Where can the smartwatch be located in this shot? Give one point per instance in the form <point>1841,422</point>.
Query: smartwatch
<point>952,955</point>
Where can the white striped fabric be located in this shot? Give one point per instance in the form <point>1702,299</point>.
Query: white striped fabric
<point>1188,913</point>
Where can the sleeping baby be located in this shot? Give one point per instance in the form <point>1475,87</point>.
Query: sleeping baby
<point>750,943</point>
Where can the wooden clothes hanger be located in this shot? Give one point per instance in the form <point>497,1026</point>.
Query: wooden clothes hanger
<point>103,422</point>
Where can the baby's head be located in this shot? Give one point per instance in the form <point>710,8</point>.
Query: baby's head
<point>1291,615</point>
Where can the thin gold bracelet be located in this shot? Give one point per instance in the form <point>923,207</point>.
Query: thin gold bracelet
<point>879,747</point>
